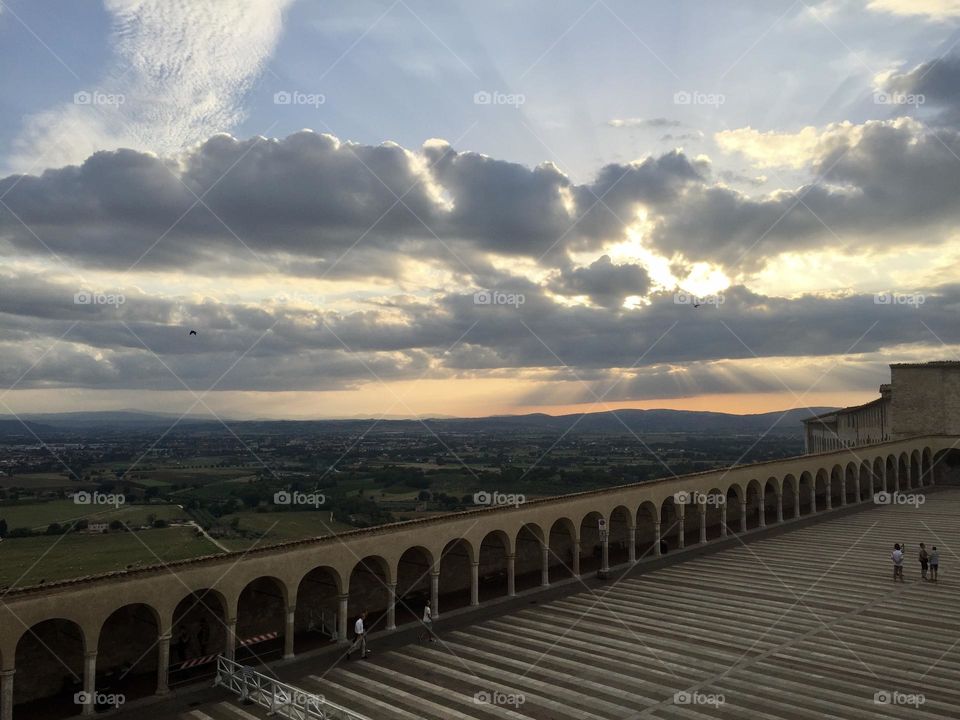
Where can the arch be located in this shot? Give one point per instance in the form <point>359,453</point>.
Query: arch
<point>879,475</point>
<point>529,545</point>
<point>822,490</point>
<point>865,480</point>
<point>563,555</point>
<point>318,595</point>
<point>591,550</point>
<point>619,524</point>
<point>946,466</point>
<point>494,549</point>
<point>648,517</point>
<point>916,470</point>
<point>837,484</point>
<point>788,493</point>
<point>714,502</point>
<point>851,483</point>
<point>49,655</point>
<point>127,651</point>
<point>808,501</point>
<point>754,496</point>
<point>903,472</point>
<point>892,473</point>
<point>456,574</point>
<point>261,618</point>
<point>671,522</point>
<point>368,591</point>
<point>198,631</point>
<point>771,491</point>
<point>736,519</point>
<point>413,583</point>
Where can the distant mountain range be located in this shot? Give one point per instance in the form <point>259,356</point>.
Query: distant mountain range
<point>787,422</point>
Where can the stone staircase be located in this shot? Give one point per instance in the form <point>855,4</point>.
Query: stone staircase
<point>801,626</point>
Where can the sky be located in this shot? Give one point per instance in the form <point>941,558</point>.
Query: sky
<point>409,208</point>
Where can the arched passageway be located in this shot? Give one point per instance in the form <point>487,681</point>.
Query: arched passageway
<point>315,620</point>
<point>261,621</point>
<point>754,504</point>
<point>456,575</point>
<point>807,496</point>
<point>529,561</point>
<point>671,525</point>
<point>49,662</point>
<point>736,515</point>
<point>128,652</point>
<point>494,565</point>
<point>647,520</point>
<point>714,504</point>
<point>789,494</point>
<point>822,491</point>
<point>865,477</point>
<point>619,545</point>
<point>893,481</point>
<point>770,502</point>
<point>837,483</point>
<point>413,584</point>
<point>198,635</point>
<point>591,550</point>
<point>369,591</point>
<point>563,555</point>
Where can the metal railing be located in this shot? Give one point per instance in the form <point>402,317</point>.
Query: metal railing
<point>278,698</point>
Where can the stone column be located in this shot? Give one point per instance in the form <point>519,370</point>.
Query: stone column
<point>680,530</point>
<point>813,496</point>
<point>796,503</point>
<point>163,664</point>
<point>843,495</point>
<point>6,694</point>
<point>89,681</point>
<point>780,506</point>
<point>656,539</point>
<point>723,520</point>
<point>342,610</point>
<point>762,519</point>
<point>288,630</point>
<point>391,606</point>
<point>475,583</point>
<point>743,516</point>
<point>545,566</point>
<point>702,509</point>
<point>511,575</point>
<point>577,549</point>
<point>605,554</point>
<point>435,593</point>
<point>231,649</point>
<point>632,545</point>
<point>870,474</point>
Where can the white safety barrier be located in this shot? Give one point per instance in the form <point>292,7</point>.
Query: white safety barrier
<point>279,698</point>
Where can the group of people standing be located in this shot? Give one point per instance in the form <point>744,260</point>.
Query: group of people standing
<point>360,632</point>
<point>929,562</point>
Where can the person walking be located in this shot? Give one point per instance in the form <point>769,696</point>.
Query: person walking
<point>897,557</point>
<point>360,639</point>
<point>924,561</point>
<point>428,623</point>
<point>934,563</point>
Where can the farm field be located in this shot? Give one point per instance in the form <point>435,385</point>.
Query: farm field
<point>28,561</point>
<point>38,515</point>
<point>281,526</point>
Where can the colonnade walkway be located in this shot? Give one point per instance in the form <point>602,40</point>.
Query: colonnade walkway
<point>804,625</point>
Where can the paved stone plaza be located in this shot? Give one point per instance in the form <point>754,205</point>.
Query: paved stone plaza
<point>804,625</point>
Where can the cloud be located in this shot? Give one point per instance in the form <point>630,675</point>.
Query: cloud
<point>935,83</point>
<point>605,283</point>
<point>181,67</point>
<point>658,122</point>
<point>932,9</point>
<point>784,149</point>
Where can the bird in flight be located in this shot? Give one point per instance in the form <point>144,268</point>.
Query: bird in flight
<point>696,305</point>
<point>193,332</point>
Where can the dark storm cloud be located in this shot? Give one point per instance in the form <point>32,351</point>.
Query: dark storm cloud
<point>283,348</point>
<point>937,81</point>
<point>605,283</point>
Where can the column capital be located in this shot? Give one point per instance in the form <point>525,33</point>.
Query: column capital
<point>475,563</point>
<point>90,654</point>
<point>434,572</point>
<point>165,637</point>
<point>343,597</point>
<point>511,556</point>
<point>291,609</point>
<point>230,621</point>
<point>7,673</point>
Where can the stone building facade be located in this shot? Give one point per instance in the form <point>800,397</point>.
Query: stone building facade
<point>920,399</point>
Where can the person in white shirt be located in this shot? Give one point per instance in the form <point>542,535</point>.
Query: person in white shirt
<point>360,641</point>
<point>428,623</point>
<point>897,557</point>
